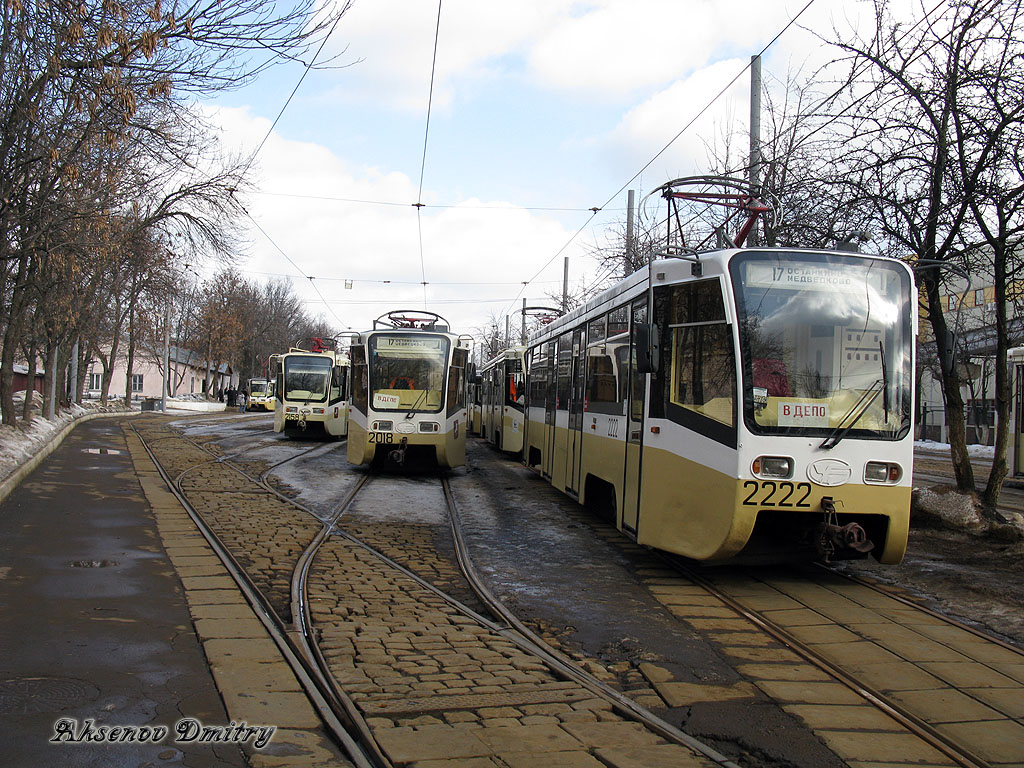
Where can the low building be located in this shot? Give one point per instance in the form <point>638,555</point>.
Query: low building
<point>188,375</point>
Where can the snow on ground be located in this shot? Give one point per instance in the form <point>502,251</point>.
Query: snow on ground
<point>20,443</point>
<point>977,451</point>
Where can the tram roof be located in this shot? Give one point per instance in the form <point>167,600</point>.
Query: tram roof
<point>713,263</point>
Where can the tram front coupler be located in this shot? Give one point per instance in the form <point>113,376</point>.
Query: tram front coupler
<point>397,455</point>
<point>839,542</point>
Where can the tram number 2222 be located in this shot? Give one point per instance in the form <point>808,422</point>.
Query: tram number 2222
<point>382,437</point>
<point>783,494</point>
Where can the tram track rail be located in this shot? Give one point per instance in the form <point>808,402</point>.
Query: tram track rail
<point>952,748</point>
<point>333,708</point>
<point>297,634</point>
<point>303,625</point>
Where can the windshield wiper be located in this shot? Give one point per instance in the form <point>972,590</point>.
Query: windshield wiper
<point>869,396</point>
<point>415,405</point>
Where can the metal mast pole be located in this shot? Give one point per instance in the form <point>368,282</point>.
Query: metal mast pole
<point>630,245</point>
<point>755,136</point>
<point>565,287</point>
<point>522,331</point>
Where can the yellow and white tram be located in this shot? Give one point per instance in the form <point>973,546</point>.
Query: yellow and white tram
<point>503,399</point>
<point>312,388</point>
<point>261,395</point>
<point>409,391</point>
<point>736,403</point>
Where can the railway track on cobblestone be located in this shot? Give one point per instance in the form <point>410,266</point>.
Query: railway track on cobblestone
<point>405,670</point>
<point>956,689</point>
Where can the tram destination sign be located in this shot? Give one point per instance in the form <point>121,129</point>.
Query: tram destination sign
<point>417,343</point>
<point>809,276</point>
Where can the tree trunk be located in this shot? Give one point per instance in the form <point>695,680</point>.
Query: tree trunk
<point>1003,393</point>
<point>963,471</point>
<point>30,378</point>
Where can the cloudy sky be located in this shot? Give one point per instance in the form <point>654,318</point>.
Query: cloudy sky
<point>542,110</point>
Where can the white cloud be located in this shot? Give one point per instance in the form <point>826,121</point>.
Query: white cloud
<point>393,43</point>
<point>650,126</point>
<point>487,247</point>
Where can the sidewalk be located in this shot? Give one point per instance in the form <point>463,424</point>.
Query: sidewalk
<point>125,642</point>
<point>93,622</point>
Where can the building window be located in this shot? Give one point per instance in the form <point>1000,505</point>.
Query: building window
<point>192,385</point>
<point>95,380</point>
<point>952,302</point>
<point>136,382</point>
<point>979,297</point>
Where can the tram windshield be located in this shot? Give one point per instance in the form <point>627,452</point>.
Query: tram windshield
<point>306,377</point>
<point>407,372</point>
<point>258,387</point>
<point>826,344</point>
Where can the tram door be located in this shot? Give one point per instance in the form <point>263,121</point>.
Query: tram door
<point>635,427</point>
<point>574,445</point>
<point>547,466</point>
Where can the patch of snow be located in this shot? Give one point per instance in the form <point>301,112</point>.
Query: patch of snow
<point>977,451</point>
<point>18,444</point>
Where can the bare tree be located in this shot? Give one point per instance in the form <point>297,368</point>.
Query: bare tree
<point>932,147</point>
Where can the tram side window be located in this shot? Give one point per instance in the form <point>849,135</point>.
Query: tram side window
<point>538,377</point>
<point>602,370</point>
<point>696,381</point>
<point>337,384</point>
<point>457,381</point>
<point>359,378</point>
<point>564,370</point>
<point>515,393</point>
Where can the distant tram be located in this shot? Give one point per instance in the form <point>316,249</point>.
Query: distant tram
<point>738,402</point>
<point>311,392</point>
<point>261,395</point>
<point>503,400</point>
<point>409,391</point>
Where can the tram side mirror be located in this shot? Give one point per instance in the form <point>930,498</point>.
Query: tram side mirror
<point>647,348</point>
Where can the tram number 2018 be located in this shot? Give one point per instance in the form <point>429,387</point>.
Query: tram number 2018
<point>382,437</point>
<point>771,494</point>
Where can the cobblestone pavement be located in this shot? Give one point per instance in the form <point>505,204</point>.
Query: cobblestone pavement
<point>437,687</point>
<point>721,669</point>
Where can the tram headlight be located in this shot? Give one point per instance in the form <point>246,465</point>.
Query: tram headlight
<point>779,467</point>
<point>429,426</point>
<point>319,410</point>
<point>291,409</point>
<point>882,473</point>
<point>383,426</point>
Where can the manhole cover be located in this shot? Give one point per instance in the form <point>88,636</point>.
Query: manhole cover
<point>43,694</point>
<point>93,563</point>
<point>111,451</point>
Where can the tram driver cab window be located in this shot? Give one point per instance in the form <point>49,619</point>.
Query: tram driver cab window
<point>697,376</point>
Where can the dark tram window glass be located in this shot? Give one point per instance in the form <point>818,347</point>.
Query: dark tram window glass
<point>456,394</point>
<point>618,322</point>
<point>359,378</point>
<point>602,379</point>
<point>538,377</point>
<point>564,370</point>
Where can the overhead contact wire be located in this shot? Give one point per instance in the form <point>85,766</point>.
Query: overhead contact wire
<point>308,277</point>
<point>423,161</point>
<point>674,139</point>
